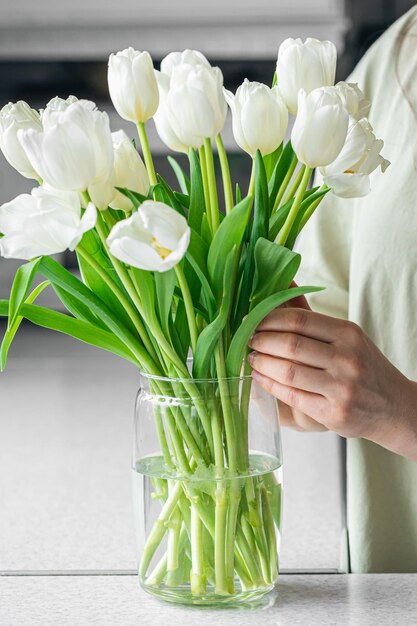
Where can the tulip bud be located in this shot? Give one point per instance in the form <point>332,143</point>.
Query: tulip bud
<point>74,150</point>
<point>155,238</point>
<point>194,106</point>
<point>162,117</point>
<point>14,117</point>
<point>354,100</point>
<point>187,57</point>
<point>129,171</point>
<point>320,128</point>
<point>348,174</point>
<point>132,85</point>
<point>260,117</point>
<point>44,222</point>
<point>307,66</point>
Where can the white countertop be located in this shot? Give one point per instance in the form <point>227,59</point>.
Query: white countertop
<point>309,600</point>
<point>66,534</point>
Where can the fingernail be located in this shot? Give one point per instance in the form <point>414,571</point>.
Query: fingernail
<point>251,357</point>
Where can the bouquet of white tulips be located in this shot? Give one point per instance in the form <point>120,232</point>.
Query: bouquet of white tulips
<point>167,273</point>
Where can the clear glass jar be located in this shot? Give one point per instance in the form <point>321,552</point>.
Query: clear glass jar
<point>207,476</point>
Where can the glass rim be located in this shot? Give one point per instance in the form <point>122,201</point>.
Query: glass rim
<point>192,380</point>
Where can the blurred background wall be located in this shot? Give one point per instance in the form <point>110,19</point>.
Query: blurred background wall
<point>49,48</point>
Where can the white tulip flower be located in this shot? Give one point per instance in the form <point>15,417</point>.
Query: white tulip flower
<point>54,107</point>
<point>354,99</point>
<point>348,174</point>
<point>14,117</point>
<point>74,150</point>
<point>46,221</point>
<point>132,85</point>
<point>155,238</point>
<point>162,117</point>
<point>128,171</point>
<point>304,65</point>
<point>320,128</point>
<point>194,106</point>
<point>260,117</point>
<point>186,57</point>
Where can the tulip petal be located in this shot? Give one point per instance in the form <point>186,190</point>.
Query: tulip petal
<point>348,185</point>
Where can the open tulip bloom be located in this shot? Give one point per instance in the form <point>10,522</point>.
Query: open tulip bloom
<point>169,273</point>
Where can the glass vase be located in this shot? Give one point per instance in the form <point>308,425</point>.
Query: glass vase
<point>207,482</point>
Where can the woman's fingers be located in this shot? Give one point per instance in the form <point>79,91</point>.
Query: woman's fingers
<point>307,407</point>
<point>291,374</point>
<point>303,322</point>
<point>293,347</point>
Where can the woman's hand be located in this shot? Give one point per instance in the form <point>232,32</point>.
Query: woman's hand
<point>332,377</point>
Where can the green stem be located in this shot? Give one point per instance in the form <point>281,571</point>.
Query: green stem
<point>227,409</point>
<point>211,178</point>
<point>251,187</point>
<point>294,185</point>
<point>203,163</point>
<point>270,535</point>
<point>189,306</point>
<point>285,183</point>
<point>313,206</point>
<point>286,229</point>
<point>130,310</point>
<point>128,285</point>
<point>227,183</point>
<point>143,138</point>
<point>173,556</point>
<point>145,358</point>
<point>198,574</point>
<point>220,521</point>
<point>159,529</point>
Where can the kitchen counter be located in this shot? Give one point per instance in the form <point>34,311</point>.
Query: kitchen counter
<point>307,600</point>
<point>67,553</point>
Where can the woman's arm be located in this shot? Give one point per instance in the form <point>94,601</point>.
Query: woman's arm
<point>331,376</point>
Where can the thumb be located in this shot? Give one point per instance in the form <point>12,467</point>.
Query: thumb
<point>299,302</point>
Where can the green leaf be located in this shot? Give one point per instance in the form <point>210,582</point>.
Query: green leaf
<point>240,339</point>
<point>135,197</point>
<point>182,330</point>
<point>10,333</point>
<point>280,172</point>
<point>278,218</point>
<point>92,244</point>
<point>270,161</point>
<point>209,336</point>
<point>183,199</point>
<point>77,308</point>
<point>228,235</point>
<point>20,288</point>
<point>301,211</point>
<point>209,299</point>
<point>259,229</point>
<point>164,286</point>
<point>205,230</point>
<point>197,200</point>
<point>275,266</point>
<point>83,331</point>
<point>183,180</point>
<point>61,277</point>
<point>144,281</point>
<point>168,196</point>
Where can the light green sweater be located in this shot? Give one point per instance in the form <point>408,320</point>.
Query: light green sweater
<point>365,252</point>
